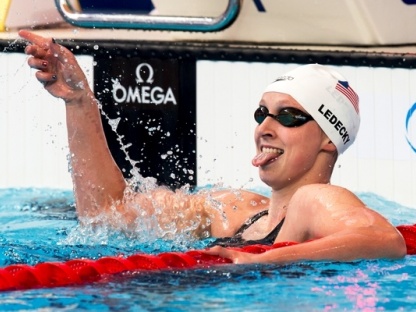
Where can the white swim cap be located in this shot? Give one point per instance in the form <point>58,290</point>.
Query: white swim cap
<point>327,97</point>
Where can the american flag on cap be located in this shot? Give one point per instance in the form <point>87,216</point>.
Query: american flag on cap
<point>344,88</point>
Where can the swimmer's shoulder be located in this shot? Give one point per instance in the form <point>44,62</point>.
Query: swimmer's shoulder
<point>241,200</point>
<point>234,208</point>
<point>326,192</point>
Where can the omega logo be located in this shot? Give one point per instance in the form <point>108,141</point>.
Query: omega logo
<point>144,92</point>
<point>139,75</point>
<point>411,127</point>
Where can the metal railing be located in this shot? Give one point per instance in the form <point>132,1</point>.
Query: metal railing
<point>150,22</point>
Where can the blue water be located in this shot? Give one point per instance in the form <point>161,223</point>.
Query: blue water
<point>40,225</point>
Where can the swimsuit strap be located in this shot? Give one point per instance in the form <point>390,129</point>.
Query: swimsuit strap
<point>269,239</point>
<point>250,222</point>
<point>238,241</point>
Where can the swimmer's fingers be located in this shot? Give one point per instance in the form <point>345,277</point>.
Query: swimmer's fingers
<point>37,63</point>
<point>36,51</point>
<point>42,47</point>
<point>34,38</point>
<point>39,47</point>
<point>58,69</point>
<point>47,66</point>
<point>235,256</point>
<point>45,77</point>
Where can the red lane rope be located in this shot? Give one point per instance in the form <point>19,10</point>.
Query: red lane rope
<point>80,271</point>
<point>409,235</point>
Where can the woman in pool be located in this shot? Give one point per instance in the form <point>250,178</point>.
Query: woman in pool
<point>313,118</point>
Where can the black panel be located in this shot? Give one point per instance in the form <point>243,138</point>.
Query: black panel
<point>237,51</point>
<point>154,100</point>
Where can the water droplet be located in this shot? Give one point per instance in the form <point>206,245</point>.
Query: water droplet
<point>114,123</point>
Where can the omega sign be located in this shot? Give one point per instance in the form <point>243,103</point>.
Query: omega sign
<point>144,92</point>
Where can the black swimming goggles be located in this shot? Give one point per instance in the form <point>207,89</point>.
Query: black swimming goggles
<point>288,117</point>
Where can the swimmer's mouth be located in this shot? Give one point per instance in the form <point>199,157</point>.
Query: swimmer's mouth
<point>271,150</point>
<point>266,156</point>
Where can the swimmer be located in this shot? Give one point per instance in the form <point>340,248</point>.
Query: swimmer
<point>305,119</point>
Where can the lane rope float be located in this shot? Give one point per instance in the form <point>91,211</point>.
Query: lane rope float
<point>81,271</point>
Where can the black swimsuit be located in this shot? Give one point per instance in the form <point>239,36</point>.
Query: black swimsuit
<point>238,241</point>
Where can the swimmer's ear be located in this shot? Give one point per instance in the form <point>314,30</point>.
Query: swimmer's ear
<point>329,146</point>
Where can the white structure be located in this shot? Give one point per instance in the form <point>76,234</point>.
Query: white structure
<point>382,160</point>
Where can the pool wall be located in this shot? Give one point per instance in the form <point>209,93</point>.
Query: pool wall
<point>186,109</point>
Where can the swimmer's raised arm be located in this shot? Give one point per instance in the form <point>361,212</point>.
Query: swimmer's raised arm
<point>99,185</point>
<point>98,182</point>
<point>208,213</point>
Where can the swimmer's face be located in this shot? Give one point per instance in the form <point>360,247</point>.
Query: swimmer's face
<point>286,154</point>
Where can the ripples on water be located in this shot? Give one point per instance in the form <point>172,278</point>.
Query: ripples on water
<point>40,225</point>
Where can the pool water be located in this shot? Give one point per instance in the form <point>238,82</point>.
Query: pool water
<point>39,225</point>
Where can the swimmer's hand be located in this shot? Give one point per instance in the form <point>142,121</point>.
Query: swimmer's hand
<point>58,69</point>
<point>237,257</point>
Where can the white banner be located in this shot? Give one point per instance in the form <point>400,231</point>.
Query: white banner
<point>382,160</point>
<point>33,139</point>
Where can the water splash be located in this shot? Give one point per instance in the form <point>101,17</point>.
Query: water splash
<point>156,216</point>
<point>114,123</point>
